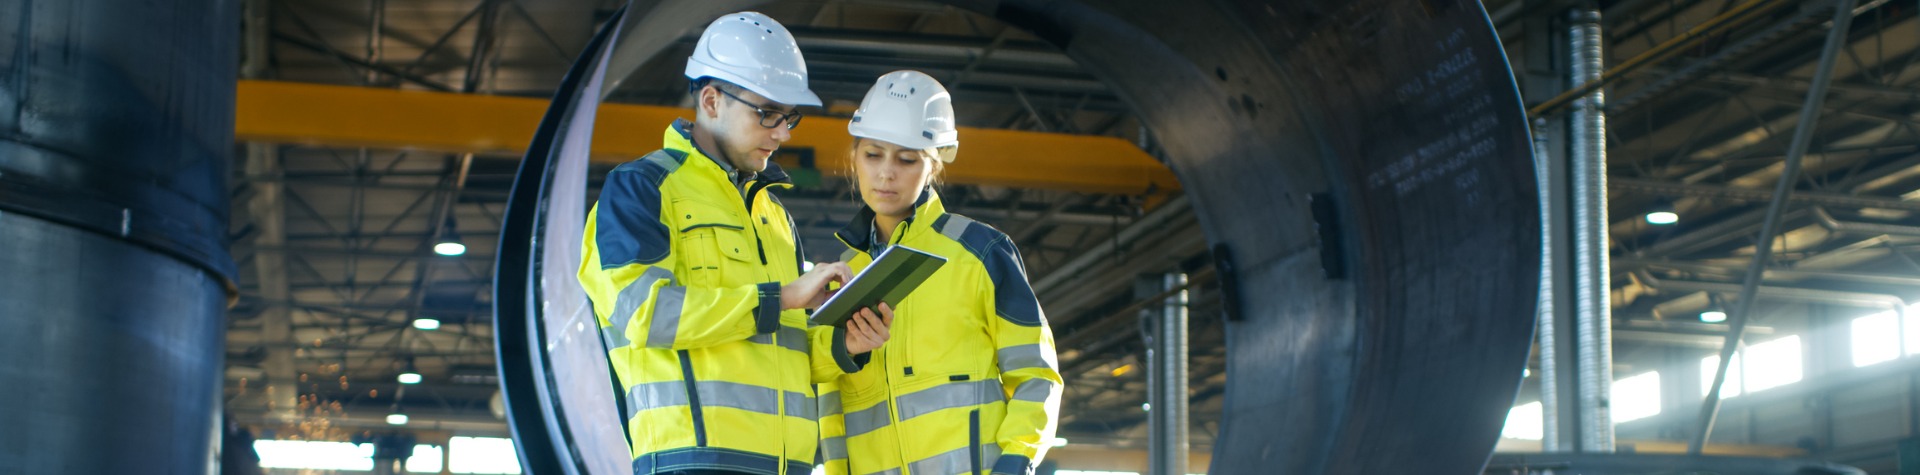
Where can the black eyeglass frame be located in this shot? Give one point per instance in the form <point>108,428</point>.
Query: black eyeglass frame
<point>792,119</point>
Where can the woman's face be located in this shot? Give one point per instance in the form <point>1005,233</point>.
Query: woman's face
<point>891,176</point>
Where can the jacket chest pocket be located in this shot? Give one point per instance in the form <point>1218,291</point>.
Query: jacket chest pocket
<point>949,331</point>
<point>716,245</point>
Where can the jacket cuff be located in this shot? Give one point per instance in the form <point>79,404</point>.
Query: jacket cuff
<point>766,319</point>
<point>849,363</point>
<point>1012,464</point>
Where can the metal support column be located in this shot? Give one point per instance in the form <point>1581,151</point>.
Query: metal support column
<point>1763,249</point>
<point>1575,340</point>
<point>267,209</point>
<point>1167,392</point>
<point>1591,284</point>
<point>1544,72</point>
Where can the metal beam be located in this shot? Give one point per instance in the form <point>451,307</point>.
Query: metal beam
<point>483,42</point>
<point>1153,221</point>
<point>1809,118</point>
<point>1802,85</point>
<point>1631,264</point>
<point>344,116</point>
<point>894,44</point>
<point>1675,189</point>
<point>358,62</point>
<point>1825,220</point>
<point>1679,43</point>
<point>840,208</point>
<point>1798,19</point>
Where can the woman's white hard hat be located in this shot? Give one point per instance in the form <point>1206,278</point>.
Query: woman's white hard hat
<point>909,109</point>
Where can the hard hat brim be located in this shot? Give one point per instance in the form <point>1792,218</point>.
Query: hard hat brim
<point>697,69</point>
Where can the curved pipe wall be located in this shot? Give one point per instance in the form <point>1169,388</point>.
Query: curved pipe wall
<point>116,125</point>
<point>1362,166</point>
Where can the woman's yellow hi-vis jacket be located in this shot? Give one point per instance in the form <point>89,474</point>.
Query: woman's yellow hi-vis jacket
<point>969,381</point>
<point>684,260</point>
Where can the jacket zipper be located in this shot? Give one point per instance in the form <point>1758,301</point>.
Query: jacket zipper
<point>901,359</point>
<point>899,236</point>
<point>973,439</point>
<point>779,393</point>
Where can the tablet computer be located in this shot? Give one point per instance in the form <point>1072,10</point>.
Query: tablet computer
<point>892,275</point>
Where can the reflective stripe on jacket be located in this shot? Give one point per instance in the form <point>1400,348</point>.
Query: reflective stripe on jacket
<point>684,265</point>
<point>969,382</point>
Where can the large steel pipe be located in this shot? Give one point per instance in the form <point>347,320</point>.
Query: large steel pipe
<point>1362,167</point>
<point>116,128</point>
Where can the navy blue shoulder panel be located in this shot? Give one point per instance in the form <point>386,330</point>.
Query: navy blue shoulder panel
<point>1013,295</point>
<point>799,248</point>
<point>628,226</point>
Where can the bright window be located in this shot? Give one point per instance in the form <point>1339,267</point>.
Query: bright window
<point>1876,339</point>
<point>1774,363</point>
<point>311,455</point>
<point>1711,364</point>
<point>482,455</point>
<point>1525,421</point>
<point>1912,331</point>
<point>1636,397</point>
<point>425,459</point>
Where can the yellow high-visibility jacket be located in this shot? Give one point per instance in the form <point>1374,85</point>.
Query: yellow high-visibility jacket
<point>684,261</point>
<point>969,381</point>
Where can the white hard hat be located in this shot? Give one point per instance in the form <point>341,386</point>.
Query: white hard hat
<point>751,50</point>
<point>909,109</point>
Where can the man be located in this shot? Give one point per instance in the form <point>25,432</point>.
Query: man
<point>694,272</point>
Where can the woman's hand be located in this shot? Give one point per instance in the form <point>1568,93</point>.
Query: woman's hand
<point>866,331</point>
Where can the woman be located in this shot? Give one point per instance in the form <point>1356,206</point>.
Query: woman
<point>970,381</point>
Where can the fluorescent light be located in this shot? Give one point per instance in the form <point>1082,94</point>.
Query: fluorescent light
<point>1057,442</point>
<point>426,324</point>
<point>449,248</point>
<point>409,378</point>
<point>397,419</point>
<point>1663,217</point>
<point>1713,316</point>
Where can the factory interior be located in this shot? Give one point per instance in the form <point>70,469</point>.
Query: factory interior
<point>1321,237</point>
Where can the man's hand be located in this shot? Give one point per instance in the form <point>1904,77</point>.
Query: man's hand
<point>866,331</point>
<point>810,290</point>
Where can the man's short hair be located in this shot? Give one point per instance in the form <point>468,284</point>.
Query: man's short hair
<point>694,87</point>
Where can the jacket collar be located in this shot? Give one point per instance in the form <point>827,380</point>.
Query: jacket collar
<point>679,136</point>
<point>859,233</point>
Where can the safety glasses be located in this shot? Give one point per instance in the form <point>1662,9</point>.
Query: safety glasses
<point>768,118</point>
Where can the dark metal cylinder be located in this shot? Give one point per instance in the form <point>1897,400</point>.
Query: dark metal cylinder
<point>1365,164</point>
<point>116,125</point>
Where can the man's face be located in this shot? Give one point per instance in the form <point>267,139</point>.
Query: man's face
<point>738,130</point>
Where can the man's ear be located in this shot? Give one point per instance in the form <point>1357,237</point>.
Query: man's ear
<point>709,103</point>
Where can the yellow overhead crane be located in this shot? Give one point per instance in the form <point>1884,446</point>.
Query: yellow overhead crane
<point>348,116</point>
